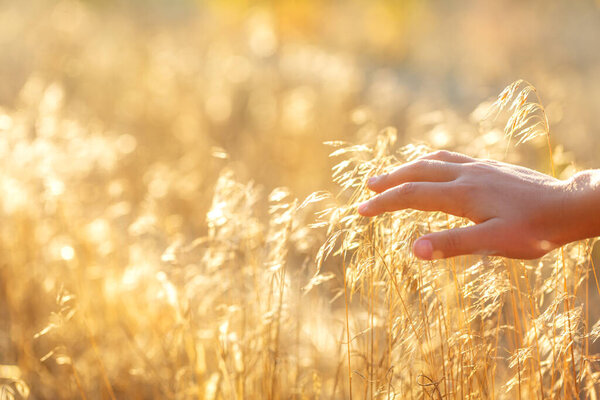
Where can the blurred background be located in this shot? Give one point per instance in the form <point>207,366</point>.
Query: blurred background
<point>118,117</point>
<point>271,81</point>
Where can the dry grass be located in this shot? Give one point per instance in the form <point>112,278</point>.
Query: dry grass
<point>147,250</point>
<point>458,328</point>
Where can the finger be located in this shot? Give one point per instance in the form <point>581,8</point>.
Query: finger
<point>475,239</point>
<point>448,156</point>
<point>424,196</point>
<point>416,171</point>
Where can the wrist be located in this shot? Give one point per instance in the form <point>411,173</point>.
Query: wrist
<point>579,214</point>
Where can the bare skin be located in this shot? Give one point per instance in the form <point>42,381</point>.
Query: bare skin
<point>518,212</point>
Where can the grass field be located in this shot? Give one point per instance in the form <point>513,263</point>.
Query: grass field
<point>179,182</point>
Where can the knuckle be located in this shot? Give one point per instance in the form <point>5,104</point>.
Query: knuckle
<point>473,170</point>
<point>452,241</point>
<point>478,166</point>
<point>405,189</point>
<point>420,163</point>
<point>375,203</point>
<point>412,167</point>
<point>383,179</point>
<point>491,162</point>
<point>440,154</point>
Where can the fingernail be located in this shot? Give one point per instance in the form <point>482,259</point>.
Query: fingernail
<point>362,208</point>
<point>372,181</point>
<point>423,249</point>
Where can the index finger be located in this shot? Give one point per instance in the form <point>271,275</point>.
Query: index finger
<point>420,170</point>
<point>424,196</point>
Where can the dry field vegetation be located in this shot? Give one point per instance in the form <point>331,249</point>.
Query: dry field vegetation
<point>171,225</point>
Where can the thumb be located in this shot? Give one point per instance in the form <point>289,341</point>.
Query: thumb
<point>475,239</point>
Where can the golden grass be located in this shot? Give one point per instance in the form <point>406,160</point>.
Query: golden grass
<point>140,259</point>
<point>240,313</point>
<point>442,321</point>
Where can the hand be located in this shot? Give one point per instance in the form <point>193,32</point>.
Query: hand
<point>518,212</point>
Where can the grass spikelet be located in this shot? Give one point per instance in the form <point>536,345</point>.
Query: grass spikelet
<point>527,116</point>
